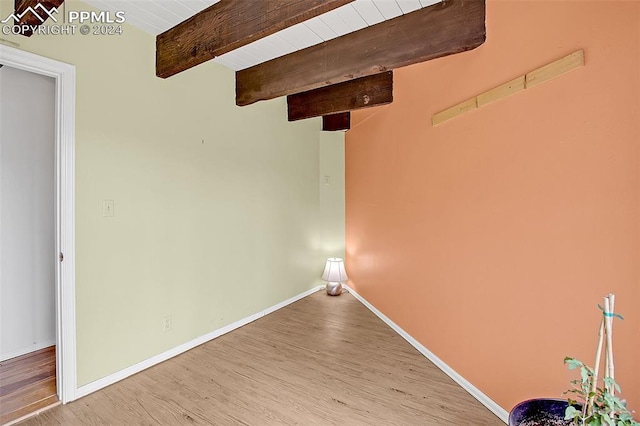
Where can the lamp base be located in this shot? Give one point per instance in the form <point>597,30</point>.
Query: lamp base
<point>334,289</point>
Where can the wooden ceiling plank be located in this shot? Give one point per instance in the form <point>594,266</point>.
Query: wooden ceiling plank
<point>228,25</point>
<point>442,29</point>
<point>336,23</point>
<point>336,122</point>
<point>409,6</point>
<point>321,29</point>
<point>369,12</point>
<point>354,94</point>
<point>300,36</point>
<point>41,10</point>
<point>389,9</point>
<point>353,19</point>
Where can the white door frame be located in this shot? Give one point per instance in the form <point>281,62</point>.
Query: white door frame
<point>65,78</point>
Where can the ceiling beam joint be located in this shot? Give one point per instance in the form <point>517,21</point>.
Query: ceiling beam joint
<point>435,31</point>
<point>228,25</point>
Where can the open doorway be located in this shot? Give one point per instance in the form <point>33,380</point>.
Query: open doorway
<point>37,207</point>
<point>27,243</point>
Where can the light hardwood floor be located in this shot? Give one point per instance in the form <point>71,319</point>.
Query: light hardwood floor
<point>320,361</point>
<point>27,384</point>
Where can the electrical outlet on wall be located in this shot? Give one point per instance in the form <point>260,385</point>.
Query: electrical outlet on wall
<point>166,323</point>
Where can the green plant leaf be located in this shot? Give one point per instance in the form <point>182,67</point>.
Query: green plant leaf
<point>572,363</point>
<point>625,417</point>
<point>607,409</point>
<point>571,412</point>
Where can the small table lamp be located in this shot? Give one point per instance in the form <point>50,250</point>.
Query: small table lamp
<point>335,275</point>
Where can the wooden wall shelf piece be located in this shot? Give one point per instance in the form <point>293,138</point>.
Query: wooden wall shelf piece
<point>530,79</point>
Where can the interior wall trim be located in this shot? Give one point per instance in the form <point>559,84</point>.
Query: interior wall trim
<point>65,292</point>
<point>143,365</point>
<point>464,383</point>
<point>491,405</point>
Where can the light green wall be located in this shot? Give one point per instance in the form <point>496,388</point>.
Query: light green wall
<point>218,210</point>
<point>332,201</point>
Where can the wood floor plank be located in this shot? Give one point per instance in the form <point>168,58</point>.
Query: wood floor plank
<point>322,360</point>
<point>28,395</point>
<point>43,404</point>
<point>42,353</point>
<point>27,384</point>
<point>16,369</point>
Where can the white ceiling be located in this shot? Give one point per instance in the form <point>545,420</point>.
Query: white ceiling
<point>157,16</point>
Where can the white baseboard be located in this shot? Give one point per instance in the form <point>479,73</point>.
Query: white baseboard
<point>27,349</point>
<point>122,374</point>
<point>136,368</point>
<point>473,391</point>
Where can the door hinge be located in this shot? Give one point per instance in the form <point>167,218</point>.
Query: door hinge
<point>61,257</point>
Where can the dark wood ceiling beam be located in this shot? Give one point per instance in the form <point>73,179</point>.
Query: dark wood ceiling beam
<point>350,95</point>
<point>445,28</point>
<point>33,13</point>
<point>336,122</point>
<point>228,25</point>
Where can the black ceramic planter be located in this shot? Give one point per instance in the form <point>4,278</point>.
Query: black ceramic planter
<point>539,412</point>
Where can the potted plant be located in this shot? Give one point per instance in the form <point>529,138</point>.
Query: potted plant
<point>540,412</point>
<point>600,406</point>
<point>588,404</point>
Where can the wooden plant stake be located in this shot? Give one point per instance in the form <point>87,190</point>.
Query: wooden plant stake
<point>608,316</point>
<point>596,366</point>
<point>605,334</point>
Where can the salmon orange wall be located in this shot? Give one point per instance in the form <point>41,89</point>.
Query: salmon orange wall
<point>491,238</point>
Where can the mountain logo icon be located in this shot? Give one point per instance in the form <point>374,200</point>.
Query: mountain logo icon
<point>39,11</point>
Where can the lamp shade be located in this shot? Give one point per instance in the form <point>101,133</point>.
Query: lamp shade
<point>334,270</point>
